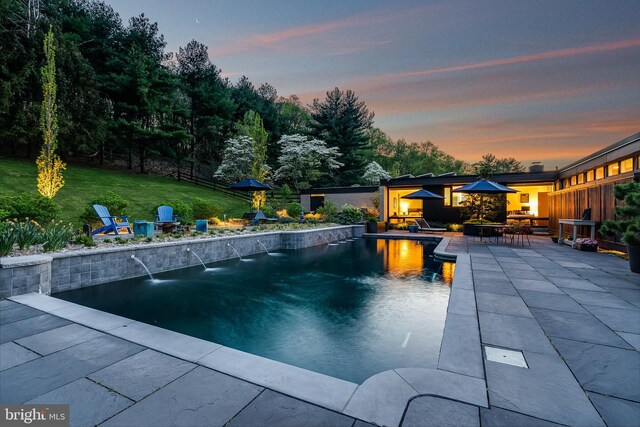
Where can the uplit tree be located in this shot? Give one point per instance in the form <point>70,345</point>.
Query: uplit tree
<point>490,165</point>
<point>304,161</point>
<point>252,127</point>
<point>49,164</point>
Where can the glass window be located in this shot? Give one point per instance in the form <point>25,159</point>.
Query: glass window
<point>457,198</point>
<point>581,178</point>
<point>613,169</point>
<point>600,173</point>
<point>565,183</point>
<point>591,176</point>
<point>447,196</point>
<point>626,165</point>
<point>573,180</point>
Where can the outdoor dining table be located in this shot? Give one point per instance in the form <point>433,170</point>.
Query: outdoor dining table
<point>491,227</point>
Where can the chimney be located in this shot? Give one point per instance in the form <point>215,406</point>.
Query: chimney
<point>536,167</point>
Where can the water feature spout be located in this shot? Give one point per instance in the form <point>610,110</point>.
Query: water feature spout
<point>337,237</point>
<point>139,261</point>
<point>234,250</point>
<point>265,248</point>
<point>326,240</point>
<point>200,259</point>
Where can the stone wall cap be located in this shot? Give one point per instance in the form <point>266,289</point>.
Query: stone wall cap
<point>24,261</point>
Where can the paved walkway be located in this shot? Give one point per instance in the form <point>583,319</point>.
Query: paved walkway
<point>575,316</point>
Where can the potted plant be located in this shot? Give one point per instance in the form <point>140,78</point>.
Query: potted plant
<point>554,238</point>
<point>629,223</point>
<point>372,225</point>
<point>586,244</point>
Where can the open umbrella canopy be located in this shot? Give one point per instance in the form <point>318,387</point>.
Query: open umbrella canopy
<point>422,194</point>
<point>484,186</point>
<point>249,185</point>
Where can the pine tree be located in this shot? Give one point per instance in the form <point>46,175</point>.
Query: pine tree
<point>342,121</point>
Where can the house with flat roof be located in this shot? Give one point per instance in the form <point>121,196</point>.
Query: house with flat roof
<point>544,197</point>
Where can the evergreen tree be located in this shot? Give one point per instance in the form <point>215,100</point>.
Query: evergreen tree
<point>50,166</point>
<point>342,121</point>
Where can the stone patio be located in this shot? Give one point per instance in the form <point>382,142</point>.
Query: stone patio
<point>575,316</point>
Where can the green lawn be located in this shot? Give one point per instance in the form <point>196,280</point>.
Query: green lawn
<point>143,192</point>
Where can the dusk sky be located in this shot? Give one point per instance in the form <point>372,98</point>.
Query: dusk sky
<point>546,81</point>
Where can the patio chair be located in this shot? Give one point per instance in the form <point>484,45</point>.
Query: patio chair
<point>110,223</point>
<point>165,219</point>
<point>521,232</point>
<point>426,228</point>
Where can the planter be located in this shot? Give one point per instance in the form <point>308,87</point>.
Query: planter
<point>201,225</point>
<point>634,257</point>
<point>371,227</point>
<point>586,247</point>
<point>554,239</point>
<point>413,229</point>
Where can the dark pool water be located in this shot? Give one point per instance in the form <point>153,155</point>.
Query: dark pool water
<point>349,311</point>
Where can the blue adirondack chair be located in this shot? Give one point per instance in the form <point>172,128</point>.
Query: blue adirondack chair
<point>165,215</point>
<point>110,222</point>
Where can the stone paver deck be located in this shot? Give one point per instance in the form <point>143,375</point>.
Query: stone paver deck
<point>575,316</point>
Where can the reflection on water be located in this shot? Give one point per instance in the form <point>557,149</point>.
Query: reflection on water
<point>349,311</point>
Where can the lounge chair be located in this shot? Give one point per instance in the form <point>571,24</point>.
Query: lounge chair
<point>426,228</point>
<point>256,217</point>
<point>166,220</point>
<point>110,222</point>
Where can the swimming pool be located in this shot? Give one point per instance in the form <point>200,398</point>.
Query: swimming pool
<point>349,311</point>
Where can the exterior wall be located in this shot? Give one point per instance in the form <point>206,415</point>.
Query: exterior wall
<point>71,270</point>
<point>359,200</point>
<point>305,201</point>
<point>597,195</point>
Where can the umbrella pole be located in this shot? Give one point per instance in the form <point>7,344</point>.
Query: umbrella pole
<point>481,207</point>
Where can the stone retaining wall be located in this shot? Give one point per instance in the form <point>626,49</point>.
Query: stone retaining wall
<point>71,270</point>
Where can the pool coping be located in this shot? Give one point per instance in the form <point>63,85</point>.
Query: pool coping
<point>381,399</point>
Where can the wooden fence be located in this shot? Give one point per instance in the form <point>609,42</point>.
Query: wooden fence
<point>597,195</point>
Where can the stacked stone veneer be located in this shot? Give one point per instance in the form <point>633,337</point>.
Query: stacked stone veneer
<point>71,270</point>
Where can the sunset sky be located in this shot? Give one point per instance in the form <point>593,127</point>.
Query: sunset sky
<point>546,81</point>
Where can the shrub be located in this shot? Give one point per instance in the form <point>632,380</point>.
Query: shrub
<point>399,226</point>
<point>117,207</point>
<point>27,233</point>
<point>350,215</point>
<point>83,239</point>
<point>269,211</point>
<point>205,209</point>
<point>285,220</point>
<point>329,211</point>
<point>182,210</point>
<point>56,236</point>
<point>455,227</point>
<point>628,222</point>
<point>24,206</point>
<point>7,237</point>
<point>294,210</point>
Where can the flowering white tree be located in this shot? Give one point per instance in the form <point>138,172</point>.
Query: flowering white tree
<point>304,161</point>
<point>373,173</point>
<point>237,160</point>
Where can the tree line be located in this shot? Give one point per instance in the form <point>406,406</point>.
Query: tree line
<point>121,94</point>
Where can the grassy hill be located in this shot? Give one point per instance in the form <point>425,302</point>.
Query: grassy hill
<point>83,183</point>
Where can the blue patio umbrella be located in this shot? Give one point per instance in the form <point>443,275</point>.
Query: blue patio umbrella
<point>482,187</point>
<point>250,184</point>
<point>422,194</point>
